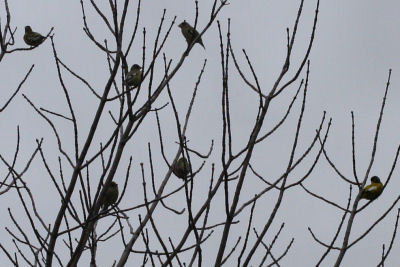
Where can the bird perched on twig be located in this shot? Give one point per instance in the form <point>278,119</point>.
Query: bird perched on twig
<point>181,168</point>
<point>373,190</point>
<point>134,76</point>
<point>190,33</point>
<point>33,38</point>
<point>110,196</point>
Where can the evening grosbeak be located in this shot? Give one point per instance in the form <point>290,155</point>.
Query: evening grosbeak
<point>110,196</point>
<point>190,34</point>
<point>32,38</point>
<point>373,190</point>
<point>181,168</point>
<point>134,76</point>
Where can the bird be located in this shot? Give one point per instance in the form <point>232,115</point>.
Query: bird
<point>373,190</point>
<point>190,33</point>
<point>181,168</point>
<point>33,38</point>
<point>134,76</point>
<point>110,196</point>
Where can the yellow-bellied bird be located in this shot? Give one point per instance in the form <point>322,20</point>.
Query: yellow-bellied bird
<point>134,76</point>
<point>190,33</point>
<point>373,190</point>
<point>111,196</point>
<point>32,38</point>
<point>181,168</point>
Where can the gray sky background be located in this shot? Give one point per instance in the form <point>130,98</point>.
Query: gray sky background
<point>356,44</point>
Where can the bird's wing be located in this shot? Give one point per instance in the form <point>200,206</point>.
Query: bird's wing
<point>193,32</point>
<point>371,188</point>
<point>36,36</point>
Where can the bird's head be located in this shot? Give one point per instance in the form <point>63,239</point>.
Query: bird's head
<point>136,67</point>
<point>183,24</point>
<point>375,179</point>
<point>28,29</point>
<point>113,184</point>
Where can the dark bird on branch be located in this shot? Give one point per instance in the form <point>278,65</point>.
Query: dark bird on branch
<point>134,76</point>
<point>33,38</point>
<point>181,168</point>
<point>110,196</point>
<point>190,33</point>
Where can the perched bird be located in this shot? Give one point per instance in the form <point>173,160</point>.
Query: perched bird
<point>373,190</point>
<point>181,168</point>
<point>111,196</point>
<point>134,76</point>
<point>190,33</point>
<point>32,38</point>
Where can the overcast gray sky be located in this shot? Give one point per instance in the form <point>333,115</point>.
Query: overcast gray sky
<point>356,44</point>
